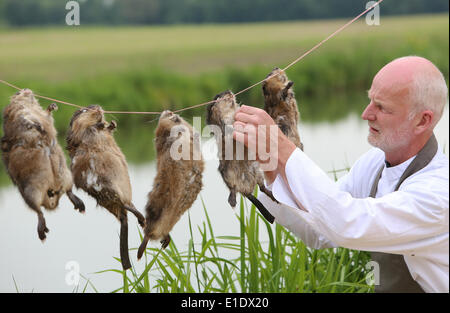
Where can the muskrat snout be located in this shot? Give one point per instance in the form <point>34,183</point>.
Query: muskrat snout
<point>99,110</point>
<point>166,113</point>
<point>27,92</point>
<point>24,92</point>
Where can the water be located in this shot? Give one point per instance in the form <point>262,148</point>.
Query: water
<point>92,239</point>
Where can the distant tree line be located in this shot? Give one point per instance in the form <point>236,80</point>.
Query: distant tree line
<point>117,12</point>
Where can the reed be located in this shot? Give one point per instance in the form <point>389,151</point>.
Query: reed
<point>244,263</point>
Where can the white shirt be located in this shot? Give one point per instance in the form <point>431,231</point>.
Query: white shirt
<point>412,221</point>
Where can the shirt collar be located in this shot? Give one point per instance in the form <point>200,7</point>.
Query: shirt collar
<point>395,172</point>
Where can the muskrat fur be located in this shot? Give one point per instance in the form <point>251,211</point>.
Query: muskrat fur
<point>239,175</point>
<point>177,182</point>
<point>100,169</point>
<point>280,104</point>
<point>33,158</point>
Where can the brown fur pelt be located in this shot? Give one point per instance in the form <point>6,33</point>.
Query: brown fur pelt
<point>99,168</point>
<point>239,175</point>
<point>178,180</point>
<point>33,158</point>
<point>280,104</point>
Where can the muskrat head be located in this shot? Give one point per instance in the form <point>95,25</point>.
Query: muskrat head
<point>222,110</point>
<point>170,124</point>
<point>169,117</point>
<point>167,120</point>
<point>84,122</point>
<point>87,117</point>
<point>25,97</point>
<point>278,85</point>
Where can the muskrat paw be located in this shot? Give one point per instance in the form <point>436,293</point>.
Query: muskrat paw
<point>165,242</point>
<point>112,125</point>
<point>52,107</point>
<point>42,229</point>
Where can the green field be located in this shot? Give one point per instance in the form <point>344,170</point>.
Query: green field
<point>55,54</point>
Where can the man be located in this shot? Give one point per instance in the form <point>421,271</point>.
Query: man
<point>394,201</point>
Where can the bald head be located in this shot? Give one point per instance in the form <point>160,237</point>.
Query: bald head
<point>419,81</point>
<point>400,72</point>
<point>405,68</point>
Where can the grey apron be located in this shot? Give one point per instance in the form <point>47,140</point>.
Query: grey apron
<point>394,273</point>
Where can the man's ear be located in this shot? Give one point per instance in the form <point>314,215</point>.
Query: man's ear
<point>424,121</point>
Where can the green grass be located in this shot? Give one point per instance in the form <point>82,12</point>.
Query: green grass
<point>56,54</point>
<point>281,264</point>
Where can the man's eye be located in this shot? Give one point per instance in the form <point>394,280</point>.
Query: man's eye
<point>379,107</point>
<point>384,110</point>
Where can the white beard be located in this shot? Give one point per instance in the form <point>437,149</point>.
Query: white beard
<point>393,140</point>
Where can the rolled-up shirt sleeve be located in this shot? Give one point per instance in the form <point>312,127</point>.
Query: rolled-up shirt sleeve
<point>399,222</point>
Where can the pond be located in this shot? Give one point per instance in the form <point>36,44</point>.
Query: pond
<point>92,239</point>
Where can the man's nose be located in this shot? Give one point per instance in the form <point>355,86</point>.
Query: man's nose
<point>369,112</point>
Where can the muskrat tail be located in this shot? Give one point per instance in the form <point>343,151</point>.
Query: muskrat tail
<point>269,217</point>
<point>143,245</point>
<point>124,256</point>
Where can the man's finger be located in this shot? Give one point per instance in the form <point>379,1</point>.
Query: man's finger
<point>249,109</point>
<point>246,118</point>
<point>240,137</point>
<point>239,126</point>
<point>245,127</point>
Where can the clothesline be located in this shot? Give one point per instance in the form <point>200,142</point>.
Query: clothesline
<point>236,94</point>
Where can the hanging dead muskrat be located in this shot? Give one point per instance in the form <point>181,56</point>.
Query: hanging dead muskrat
<point>99,168</point>
<point>178,180</point>
<point>239,175</point>
<point>281,105</point>
<point>33,158</point>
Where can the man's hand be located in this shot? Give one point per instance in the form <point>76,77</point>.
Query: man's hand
<point>257,130</point>
<point>247,120</point>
